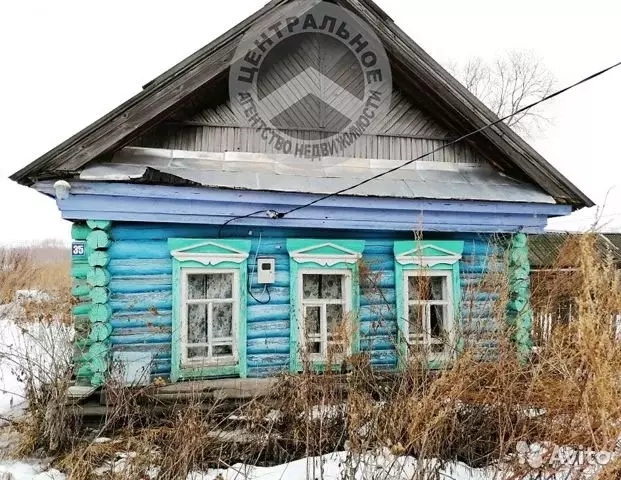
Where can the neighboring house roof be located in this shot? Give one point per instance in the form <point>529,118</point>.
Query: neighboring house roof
<point>548,250</point>
<point>415,71</point>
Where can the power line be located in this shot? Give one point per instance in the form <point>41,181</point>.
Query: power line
<point>274,214</point>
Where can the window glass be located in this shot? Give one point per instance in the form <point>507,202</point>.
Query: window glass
<point>198,325</point>
<point>210,286</point>
<point>324,306</point>
<point>421,287</point>
<point>210,308</point>
<point>427,310</point>
<point>322,286</point>
<point>222,320</point>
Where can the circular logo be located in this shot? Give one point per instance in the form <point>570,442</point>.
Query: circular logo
<point>311,81</point>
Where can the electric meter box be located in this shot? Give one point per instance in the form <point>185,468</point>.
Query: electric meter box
<point>266,270</point>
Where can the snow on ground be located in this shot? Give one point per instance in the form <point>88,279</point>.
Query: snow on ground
<point>335,466</point>
<point>28,471</point>
<point>43,348</point>
<point>11,389</point>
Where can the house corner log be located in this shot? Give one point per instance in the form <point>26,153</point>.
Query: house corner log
<point>97,357</point>
<point>519,312</point>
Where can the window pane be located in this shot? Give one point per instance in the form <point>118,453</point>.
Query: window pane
<point>437,318</point>
<point>326,287</point>
<point>197,352</point>
<point>415,321</point>
<point>334,315</point>
<point>313,347</point>
<point>210,285</point>
<point>312,320</point>
<point>222,320</point>
<point>197,323</point>
<point>421,287</point>
<point>223,350</point>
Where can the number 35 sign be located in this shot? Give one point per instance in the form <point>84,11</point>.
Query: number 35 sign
<point>78,249</point>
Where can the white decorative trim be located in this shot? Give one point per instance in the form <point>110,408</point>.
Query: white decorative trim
<point>413,257</point>
<point>326,260</point>
<point>185,254</point>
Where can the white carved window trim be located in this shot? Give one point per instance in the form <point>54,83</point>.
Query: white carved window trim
<point>186,254</point>
<point>209,361</point>
<point>346,301</point>
<point>413,257</point>
<point>326,260</point>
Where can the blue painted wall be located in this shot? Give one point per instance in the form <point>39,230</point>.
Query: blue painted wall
<point>141,291</point>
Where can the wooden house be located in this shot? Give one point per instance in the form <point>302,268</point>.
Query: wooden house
<point>209,245</point>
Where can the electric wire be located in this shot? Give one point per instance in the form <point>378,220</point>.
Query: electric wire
<point>460,139</point>
<point>275,215</point>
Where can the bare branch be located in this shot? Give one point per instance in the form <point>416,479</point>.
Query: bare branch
<point>507,84</point>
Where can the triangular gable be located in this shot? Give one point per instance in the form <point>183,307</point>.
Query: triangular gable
<point>325,253</point>
<point>428,253</point>
<point>419,74</point>
<point>209,252</point>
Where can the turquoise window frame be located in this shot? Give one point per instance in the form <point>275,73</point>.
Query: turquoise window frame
<point>421,256</point>
<point>322,256</point>
<point>207,255</point>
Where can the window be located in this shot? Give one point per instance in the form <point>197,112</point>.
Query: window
<point>428,293</point>
<point>429,310</point>
<point>209,308</point>
<point>325,301</point>
<point>325,304</point>
<point>211,300</point>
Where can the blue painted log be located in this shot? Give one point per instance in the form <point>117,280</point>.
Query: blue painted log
<point>260,313</point>
<point>378,328</point>
<point>267,361</point>
<point>148,338</point>
<point>135,249</point>
<point>371,313</point>
<point>140,267</point>
<point>268,329</point>
<point>137,302</point>
<point>377,343</point>
<point>378,297</point>
<point>268,346</point>
<point>277,296</point>
<point>140,284</point>
<point>141,319</point>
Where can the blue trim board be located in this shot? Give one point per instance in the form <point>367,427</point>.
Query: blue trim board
<point>212,206</point>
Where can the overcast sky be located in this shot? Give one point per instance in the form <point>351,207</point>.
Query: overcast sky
<point>66,63</point>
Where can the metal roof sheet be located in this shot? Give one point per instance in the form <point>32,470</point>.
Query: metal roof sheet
<point>235,170</point>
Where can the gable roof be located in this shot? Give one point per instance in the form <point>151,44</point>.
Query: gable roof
<point>418,73</point>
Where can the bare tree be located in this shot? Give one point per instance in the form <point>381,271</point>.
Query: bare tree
<point>512,81</point>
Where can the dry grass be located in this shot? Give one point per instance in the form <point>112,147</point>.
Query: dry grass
<point>45,266</point>
<point>476,410</point>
